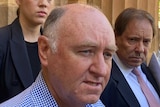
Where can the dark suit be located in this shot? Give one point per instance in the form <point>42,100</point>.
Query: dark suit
<point>118,92</point>
<point>15,68</point>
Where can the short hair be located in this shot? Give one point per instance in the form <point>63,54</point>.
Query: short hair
<point>50,26</point>
<point>129,14</point>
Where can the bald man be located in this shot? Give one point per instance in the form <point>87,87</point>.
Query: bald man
<point>75,51</point>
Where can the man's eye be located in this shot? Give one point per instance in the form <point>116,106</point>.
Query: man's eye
<point>86,52</point>
<point>108,55</point>
<point>146,42</point>
<point>132,41</point>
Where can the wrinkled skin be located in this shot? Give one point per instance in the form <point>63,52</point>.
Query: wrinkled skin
<point>79,70</point>
<point>135,42</point>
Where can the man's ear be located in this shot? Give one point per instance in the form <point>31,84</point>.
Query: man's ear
<point>43,50</point>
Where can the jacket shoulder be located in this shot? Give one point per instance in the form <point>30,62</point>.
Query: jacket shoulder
<point>5,33</point>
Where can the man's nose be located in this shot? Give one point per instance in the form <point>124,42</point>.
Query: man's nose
<point>100,66</point>
<point>140,46</point>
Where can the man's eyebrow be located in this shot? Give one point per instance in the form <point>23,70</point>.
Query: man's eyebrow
<point>94,45</point>
<point>112,48</point>
<point>88,44</point>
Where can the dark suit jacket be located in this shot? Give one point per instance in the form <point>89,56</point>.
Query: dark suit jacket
<point>118,92</point>
<point>15,68</point>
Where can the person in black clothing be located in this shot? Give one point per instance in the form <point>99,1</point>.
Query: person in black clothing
<point>19,61</point>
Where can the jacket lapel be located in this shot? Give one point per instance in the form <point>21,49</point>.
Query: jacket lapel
<point>124,87</point>
<point>19,55</point>
<point>150,77</point>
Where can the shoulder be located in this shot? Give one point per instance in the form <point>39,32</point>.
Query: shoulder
<point>4,39</point>
<point>7,28</point>
<point>5,34</point>
<point>6,31</point>
<point>23,98</point>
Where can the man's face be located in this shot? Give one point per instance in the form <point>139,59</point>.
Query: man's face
<point>133,45</point>
<point>80,68</point>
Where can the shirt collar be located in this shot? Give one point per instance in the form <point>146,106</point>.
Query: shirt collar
<point>124,69</point>
<point>43,98</point>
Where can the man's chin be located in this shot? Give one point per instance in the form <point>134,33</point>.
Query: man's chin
<point>92,99</point>
<point>132,65</point>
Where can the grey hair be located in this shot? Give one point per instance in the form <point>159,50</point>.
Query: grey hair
<point>51,24</point>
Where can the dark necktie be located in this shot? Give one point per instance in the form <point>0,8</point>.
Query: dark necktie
<point>147,92</point>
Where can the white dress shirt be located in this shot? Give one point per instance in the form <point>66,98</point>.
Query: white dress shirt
<point>133,82</point>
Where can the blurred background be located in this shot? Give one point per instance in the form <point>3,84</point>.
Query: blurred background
<point>111,8</point>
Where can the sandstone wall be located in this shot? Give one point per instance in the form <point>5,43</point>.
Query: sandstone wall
<point>111,8</point>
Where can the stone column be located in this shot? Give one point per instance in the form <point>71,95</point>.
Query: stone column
<point>4,12</point>
<point>8,11</point>
<point>12,10</point>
